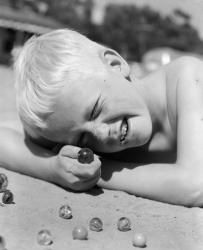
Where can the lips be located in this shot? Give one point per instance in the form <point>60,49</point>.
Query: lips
<point>124,130</point>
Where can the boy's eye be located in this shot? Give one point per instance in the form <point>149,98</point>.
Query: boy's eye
<point>96,113</point>
<point>96,110</point>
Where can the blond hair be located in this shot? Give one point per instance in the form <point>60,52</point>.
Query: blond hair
<point>44,65</point>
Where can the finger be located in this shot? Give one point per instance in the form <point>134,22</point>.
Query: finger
<point>80,170</point>
<point>67,160</point>
<point>88,170</point>
<point>87,184</point>
<point>70,151</point>
<point>85,173</point>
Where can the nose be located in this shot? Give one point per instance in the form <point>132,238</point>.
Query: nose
<point>105,133</point>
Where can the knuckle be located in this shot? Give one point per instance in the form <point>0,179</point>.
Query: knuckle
<point>95,167</point>
<point>96,163</point>
<point>74,182</point>
<point>63,150</point>
<point>92,171</point>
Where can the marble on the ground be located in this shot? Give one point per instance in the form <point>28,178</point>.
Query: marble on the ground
<point>37,203</point>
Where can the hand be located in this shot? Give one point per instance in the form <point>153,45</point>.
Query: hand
<point>68,172</point>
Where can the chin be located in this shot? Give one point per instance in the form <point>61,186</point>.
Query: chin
<point>140,140</point>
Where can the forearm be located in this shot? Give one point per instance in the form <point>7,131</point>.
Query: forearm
<point>17,156</point>
<point>162,182</point>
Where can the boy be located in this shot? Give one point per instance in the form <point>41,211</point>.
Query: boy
<point>72,91</point>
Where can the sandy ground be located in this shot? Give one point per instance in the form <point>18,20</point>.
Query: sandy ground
<point>167,227</point>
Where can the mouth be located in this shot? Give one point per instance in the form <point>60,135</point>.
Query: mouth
<point>124,131</point>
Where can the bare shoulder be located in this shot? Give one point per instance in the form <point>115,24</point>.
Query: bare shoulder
<point>189,97</point>
<point>187,61</point>
<point>186,76</point>
<point>185,67</point>
<point>184,90</point>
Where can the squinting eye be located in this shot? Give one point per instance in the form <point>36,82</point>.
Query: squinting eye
<point>92,116</point>
<point>96,113</point>
<point>97,109</point>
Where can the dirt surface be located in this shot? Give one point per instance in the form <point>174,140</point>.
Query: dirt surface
<point>37,205</point>
<point>167,227</point>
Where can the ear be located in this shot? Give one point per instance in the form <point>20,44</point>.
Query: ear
<point>115,62</point>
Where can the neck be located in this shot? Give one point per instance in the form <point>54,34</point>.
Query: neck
<point>152,89</point>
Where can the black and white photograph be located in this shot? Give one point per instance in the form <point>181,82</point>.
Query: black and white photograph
<point>101,124</point>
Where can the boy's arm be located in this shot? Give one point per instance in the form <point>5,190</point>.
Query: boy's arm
<point>162,182</point>
<point>182,182</point>
<point>23,156</point>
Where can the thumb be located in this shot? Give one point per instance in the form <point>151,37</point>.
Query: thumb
<point>69,151</point>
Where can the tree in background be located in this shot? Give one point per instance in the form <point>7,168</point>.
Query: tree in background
<point>132,31</point>
<point>76,14</point>
<point>129,29</point>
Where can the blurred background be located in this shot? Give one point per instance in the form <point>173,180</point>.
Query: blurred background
<point>148,33</point>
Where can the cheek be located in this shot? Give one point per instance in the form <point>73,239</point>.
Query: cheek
<point>126,94</point>
<point>102,147</point>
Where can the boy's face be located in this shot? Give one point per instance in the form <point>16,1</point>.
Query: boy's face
<point>105,113</point>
